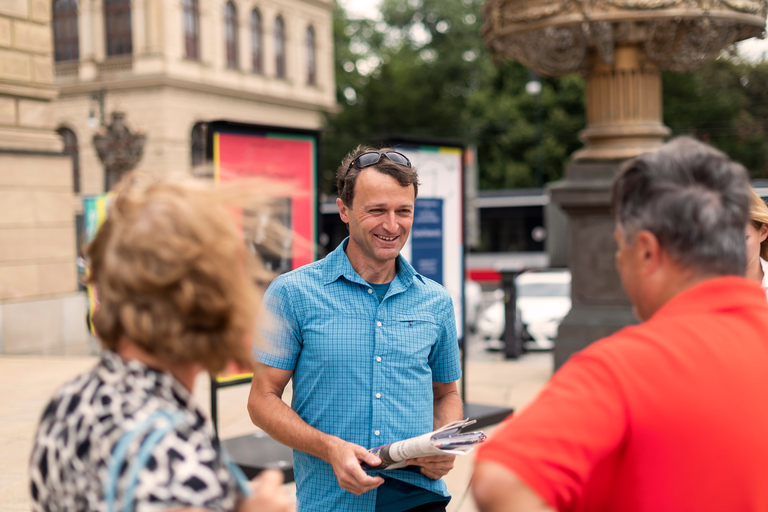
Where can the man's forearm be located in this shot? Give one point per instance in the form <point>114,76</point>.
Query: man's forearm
<point>276,418</point>
<point>447,408</point>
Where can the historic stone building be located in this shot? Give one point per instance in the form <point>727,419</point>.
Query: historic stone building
<point>167,65</point>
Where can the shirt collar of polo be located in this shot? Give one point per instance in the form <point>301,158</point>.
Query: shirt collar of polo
<point>338,265</point>
<point>716,294</point>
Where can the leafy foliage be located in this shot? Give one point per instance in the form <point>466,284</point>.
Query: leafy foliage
<point>421,69</point>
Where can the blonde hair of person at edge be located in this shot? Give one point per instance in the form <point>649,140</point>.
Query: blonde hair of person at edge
<point>178,292</point>
<point>757,241</point>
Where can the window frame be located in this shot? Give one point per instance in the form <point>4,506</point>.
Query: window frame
<point>257,42</point>
<point>310,46</point>
<point>191,24</point>
<point>230,29</point>
<point>118,28</point>
<point>280,48</point>
<point>66,32</point>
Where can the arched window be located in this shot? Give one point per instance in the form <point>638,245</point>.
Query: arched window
<point>256,41</point>
<point>71,149</point>
<point>117,23</point>
<point>191,29</point>
<point>197,144</point>
<point>66,36</point>
<point>279,47</point>
<point>230,33</point>
<point>311,56</point>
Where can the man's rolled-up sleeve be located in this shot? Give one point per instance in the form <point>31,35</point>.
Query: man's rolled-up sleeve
<point>280,335</point>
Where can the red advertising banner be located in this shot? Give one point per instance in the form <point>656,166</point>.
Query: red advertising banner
<point>284,157</point>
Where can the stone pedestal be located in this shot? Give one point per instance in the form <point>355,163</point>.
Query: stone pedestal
<point>599,305</point>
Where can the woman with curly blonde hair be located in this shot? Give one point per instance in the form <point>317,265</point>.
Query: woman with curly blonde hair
<point>176,297</point>
<point>757,241</point>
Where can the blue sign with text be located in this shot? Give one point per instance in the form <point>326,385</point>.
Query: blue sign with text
<point>427,238</point>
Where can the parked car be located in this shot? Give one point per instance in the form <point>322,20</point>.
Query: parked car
<point>544,298</point>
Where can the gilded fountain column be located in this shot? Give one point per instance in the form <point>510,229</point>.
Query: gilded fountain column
<point>624,116</point>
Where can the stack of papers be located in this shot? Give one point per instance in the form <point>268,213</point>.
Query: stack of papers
<point>447,440</point>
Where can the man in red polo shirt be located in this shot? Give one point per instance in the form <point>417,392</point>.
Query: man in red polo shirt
<point>671,414</point>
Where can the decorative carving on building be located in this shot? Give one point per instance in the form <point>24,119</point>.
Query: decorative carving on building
<point>119,149</point>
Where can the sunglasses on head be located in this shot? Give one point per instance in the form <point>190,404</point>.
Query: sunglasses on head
<point>373,157</point>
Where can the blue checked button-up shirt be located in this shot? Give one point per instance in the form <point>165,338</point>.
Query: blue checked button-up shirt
<point>363,371</point>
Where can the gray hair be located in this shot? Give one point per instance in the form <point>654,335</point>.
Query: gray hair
<point>693,198</point>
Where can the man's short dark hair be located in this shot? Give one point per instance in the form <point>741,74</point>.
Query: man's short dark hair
<point>693,198</point>
<point>346,175</point>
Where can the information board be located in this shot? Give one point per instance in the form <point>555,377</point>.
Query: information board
<point>436,245</point>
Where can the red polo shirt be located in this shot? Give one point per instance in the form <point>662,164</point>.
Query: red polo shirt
<point>668,415</point>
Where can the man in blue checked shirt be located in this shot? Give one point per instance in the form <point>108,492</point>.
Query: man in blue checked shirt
<point>371,346</point>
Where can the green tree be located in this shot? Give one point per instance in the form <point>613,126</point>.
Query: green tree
<point>724,103</point>
<point>422,70</point>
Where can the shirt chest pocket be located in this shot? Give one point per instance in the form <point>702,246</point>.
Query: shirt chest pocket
<point>413,336</point>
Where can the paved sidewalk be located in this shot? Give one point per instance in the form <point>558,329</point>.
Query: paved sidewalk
<point>26,383</point>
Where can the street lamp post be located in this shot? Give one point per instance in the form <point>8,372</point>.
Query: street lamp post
<point>533,87</point>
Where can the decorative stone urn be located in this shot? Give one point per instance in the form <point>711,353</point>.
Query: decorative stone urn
<point>119,149</point>
<point>620,46</point>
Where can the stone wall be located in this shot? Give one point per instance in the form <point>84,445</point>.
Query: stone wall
<point>38,275</point>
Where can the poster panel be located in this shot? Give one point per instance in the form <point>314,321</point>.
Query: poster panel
<point>437,237</point>
<point>284,155</point>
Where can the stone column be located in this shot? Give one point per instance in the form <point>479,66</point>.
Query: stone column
<point>38,277</point>
<point>624,115</point>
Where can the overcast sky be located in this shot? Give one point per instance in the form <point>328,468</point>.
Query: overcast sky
<point>753,48</point>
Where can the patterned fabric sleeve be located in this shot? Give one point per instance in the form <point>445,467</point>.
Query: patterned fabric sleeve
<point>444,357</point>
<point>185,471</point>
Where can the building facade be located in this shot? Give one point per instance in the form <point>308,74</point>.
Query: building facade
<point>40,309</point>
<point>169,66</point>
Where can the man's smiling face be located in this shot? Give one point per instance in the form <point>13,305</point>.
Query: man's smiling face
<point>380,217</point>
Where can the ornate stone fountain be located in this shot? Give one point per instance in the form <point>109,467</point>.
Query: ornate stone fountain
<point>620,46</point>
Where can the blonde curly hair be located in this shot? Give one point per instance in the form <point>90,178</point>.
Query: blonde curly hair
<point>173,274</point>
<point>758,215</point>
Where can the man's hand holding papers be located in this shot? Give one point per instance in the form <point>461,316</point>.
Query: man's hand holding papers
<point>434,449</point>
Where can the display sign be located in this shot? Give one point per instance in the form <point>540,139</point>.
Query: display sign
<point>436,245</point>
<point>427,238</point>
<point>245,151</point>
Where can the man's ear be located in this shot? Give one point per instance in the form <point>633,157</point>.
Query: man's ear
<point>648,252</point>
<point>343,210</point>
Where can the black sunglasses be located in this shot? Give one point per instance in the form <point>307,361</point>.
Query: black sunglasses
<point>373,157</point>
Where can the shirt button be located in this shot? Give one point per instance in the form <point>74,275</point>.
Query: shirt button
<point>376,432</point>
<point>378,323</point>
<point>378,395</point>
<point>378,359</point>
<point>370,291</point>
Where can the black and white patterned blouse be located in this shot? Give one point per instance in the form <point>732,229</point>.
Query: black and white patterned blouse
<point>89,415</point>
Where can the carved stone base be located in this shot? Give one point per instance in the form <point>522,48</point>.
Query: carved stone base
<point>599,305</point>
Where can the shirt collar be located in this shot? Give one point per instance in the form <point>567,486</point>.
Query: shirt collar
<point>140,378</point>
<point>338,265</point>
<point>712,295</point>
